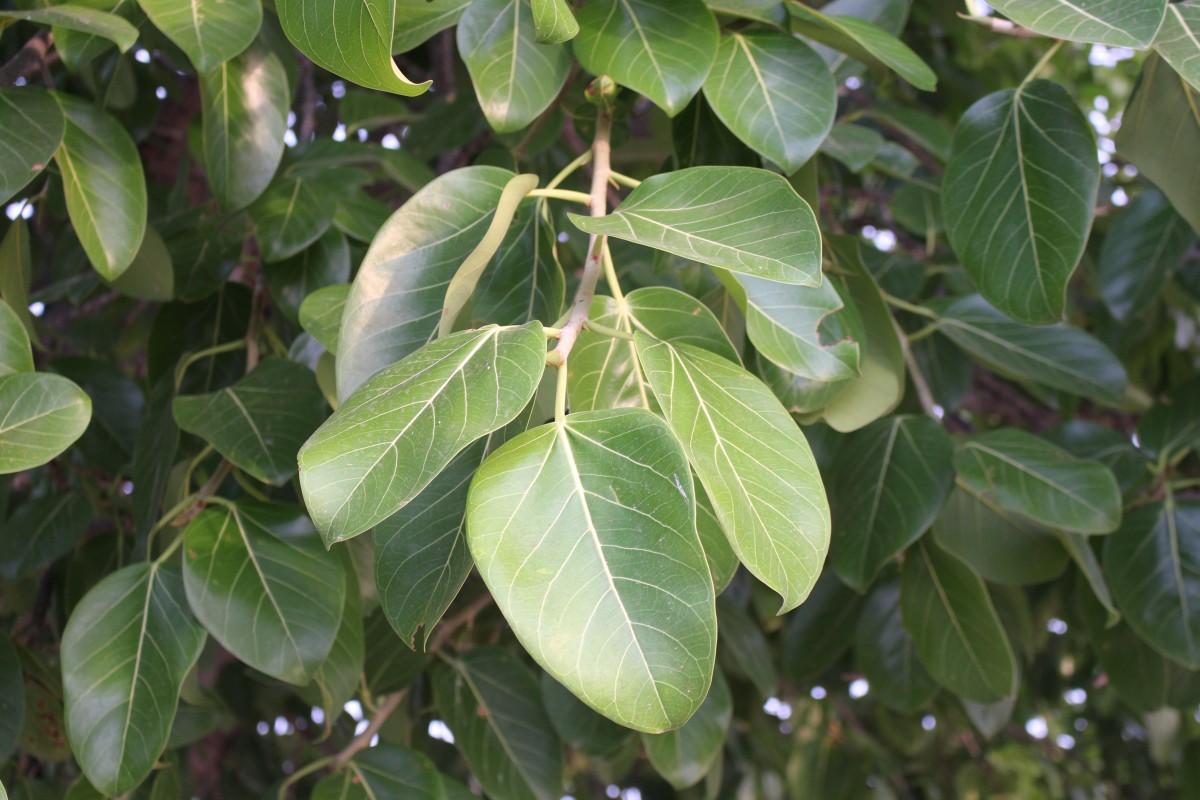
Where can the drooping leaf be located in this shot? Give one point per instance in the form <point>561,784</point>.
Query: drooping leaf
<point>1172,426</point>
<point>43,415</point>
<point>32,124</point>
<point>290,215</point>
<point>1019,195</point>
<point>42,530</point>
<point>418,20</point>
<point>1142,248</point>
<point>1178,40</point>
<point>752,459</point>
<point>325,263</point>
<point>12,700</point>
<point>662,49</point>
<point>1116,23</point>
<point>125,652</point>
<point>1135,670</point>
<point>16,355</point>
<point>209,32</point>
<point>820,631</point>
<point>554,21</point>
<point>80,18</point>
<point>864,41</point>
<point>385,772</point>
<point>686,755</point>
<point>404,426</point>
<point>687,212</point>
<point>511,291</point>
<point>321,314</point>
<point>885,653</point>
<point>585,533</point>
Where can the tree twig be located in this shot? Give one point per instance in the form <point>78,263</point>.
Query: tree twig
<point>363,740</point>
<point>31,58</point>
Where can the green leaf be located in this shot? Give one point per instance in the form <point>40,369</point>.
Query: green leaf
<point>752,459</point>
<point>579,726</point>
<point>12,701</point>
<point>510,291</point>
<point>687,213</point>
<point>261,421</point>
<point>125,652</point>
<point>1059,357</point>
<point>244,109</point>
<point>151,274</point>
<point>1081,552</point>
<point>515,77</point>
<point>339,677</point>
<point>954,626</point>
<point>404,426</point>
<point>575,578</point>
<point>770,11</point>
<point>154,456</point>
<point>290,215</point>
<point>321,314</point>
<point>775,93</point>
<point>1018,197</point>
<point>259,581</point>
<point>821,630</point>
<point>209,32</point>
<point>1142,248</point>
<point>350,38</point>
<point>673,316</point>
<point>1178,40</point>
<point>887,483</point>
<point>80,18</point>
<point>1172,426</point>
<point>104,184</point>
<point>16,354</point>
<point>418,20</point>
<point>686,755</point>
<point>864,41</point>
<point>1160,134</point>
<point>885,653</point>
<point>43,416</point>
<point>395,304</point>
<point>1116,23</point>
<point>492,705</point>
<point>32,125</point>
<point>1029,476</point>
<point>325,263</point>
<point>1153,566</point>
<point>927,132</point>
<point>662,49</point>
<point>554,21</point>
<point>16,273</point>
<point>42,530</point>
<point>854,145</point>
<point>743,648</point>
<point>384,772</point>
<point>1135,670</point>
<point>890,15</point>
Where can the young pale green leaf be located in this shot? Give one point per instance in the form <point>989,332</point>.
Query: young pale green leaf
<point>325,263</point>
<point>385,772</point>
<point>32,125</point>
<point>579,726</point>
<point>395,304</point>
<point>885,654</point>
<point>954,626</point>
<point>351,39</point>
<point>16,354</point>
<point>418,20</point>
<point>585,533</point>
<point>321,314</point>
<point>821,630</point>
<point>1172,426</point>
<point>43,416</point>
<point>511,291</point>
<point>1031,477</point>
<point>1116,23</point>
<point>404,426</point>
<point>674,316</point>
<point>1059,357</point>
<point>12,700</point>
<point>244,109</point>
<point>80,18</point>
<point>515,77</point>
<point>261,421</point>
<point>41,530</point>
<point>1178,40</point>
<point>259,581</point>
<point>1019,195</point>
<point>887,482</point>
<point>209,32</point>
<point>686,755</point>
<point>854,145</point>
<point>662,49</point>
<point>603,371</point>
<point>752,459</point>
<point>553,21</point>
<point>687,213</point>
<point>290,215</point>
<point>864,41</point>
<point>1142,248</point>
<point>104,184</point>
<point>493,705</point>
<point>1153,565</point>
<point>1160,134</point>
<point>125,652</point>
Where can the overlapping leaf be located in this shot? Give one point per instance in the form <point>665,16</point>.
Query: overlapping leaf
<point>821,630</point>
<point>525,280</point>
<point>1142,248</point>
<point>554,21</point>
<point>1116,23</point>
<point>16,354</point>
<point>418,20</point>
<point>1178,40</point>
<point>864,41</point>
<point>325,263</point>
<point>80,18</point>
<point>42,416</point>
<point>674,316</point>
<point>41,530</point>
<point>386,772</point>
<point>290,215</point>
<point>686,755</point>
<point>603,370</point>
<point>885,653</point>
<point>321,314</point>
<point>209,32</point>
<point>32,125</point>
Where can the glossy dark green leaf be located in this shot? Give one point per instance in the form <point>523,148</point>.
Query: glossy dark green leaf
<point>385,772</point>
<point>743,648</point>
<point>290,215</point>
<point>259,580</point>
<point>16,354</point>
<point>554,21</point>
<point>325,263</point>
<point>579,726</point>
<point>12,700</point>
<point>954,626</point>
<point>418,20</point>
<point>42,530</point>
<point>1178,40</point>
<point>662,49</point>
<point>887,483</point>
<point>1134,669</point>
<point>43,415</point>
<point>884,651</point>
<point>1142,248</point>
<point>1018,197</point>
<point>32,124</point>
<point>686,755</point>
<point>821,630</point>
<point>864,41</point>
<point>1117,23</point>
<point>154,456</point>
<point>585,533</point>
<point>493,706</point>
<point>209,32</point>
<point>339,677</point>
<point>1107,445</point>
<point>752,459</point>
<point>321,314</point>
<point>80,18</point>
<point>1172,426</point>
<point>389,665</point>
<point>686,213</point>
<point>125,652</point>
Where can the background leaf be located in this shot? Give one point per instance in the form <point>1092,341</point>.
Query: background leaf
<point>686,755</point>
<point>864,41</point>
<point>1142,248</point>
<point>1117,23</point>
<point>885,653</point>
<point>210,32</point>
<point>43,415</point>
<point>32,124</point>
<point>1178,40</point>
<point>42,530</point>
<point>80,18</point>
<point>16,355</point>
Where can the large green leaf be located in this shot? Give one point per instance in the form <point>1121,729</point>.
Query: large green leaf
<point>1018,197</point>
<point>80,18</point>
<point>32,125</point>
<point>954,626</point>
<point>261,421</point>
<point>12,700</point>
<point>1116,23</point>
<point>1153,566</point>
<point>16,355</point>
<point>1160,134</point>
<point>104,184</point>
<point>321,314</point>
<point>290,215</point>
<point>209,32</point>
<point>385,772</point>
<point>686,755</point>
<point>493,706</point>
<point>42,415</point>
<point>1060,357</point>
<point>554,21</point>
<point>1178,40</point>
<point>41,530</point>
<point>585,533</point>
<point>395,304</point>
<point>259,580</point>
<point>125,652</point>
<point>674,316</point>
<point>752,459</point>
<point>418,20</point>
<point>887,483</point>
<point>1031,477</point>
<point>884,652</point>
<point>662,49</point>
<point>775,93</point>
<point>1142,248</point>
<point>515,77</point>
<point>687,213</point>
<point>351,39</point>
<point>404,426</point>
<point>245,106</point>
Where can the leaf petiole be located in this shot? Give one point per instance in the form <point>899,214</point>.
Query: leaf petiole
<point>562,194</point>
